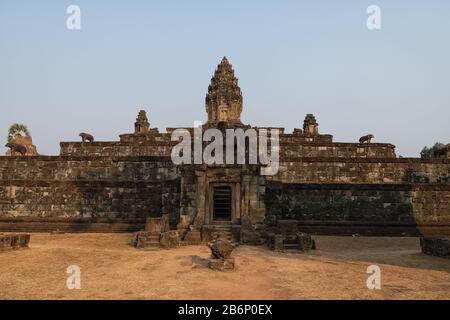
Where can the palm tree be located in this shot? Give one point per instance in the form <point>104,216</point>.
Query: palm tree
<point>16,129</point>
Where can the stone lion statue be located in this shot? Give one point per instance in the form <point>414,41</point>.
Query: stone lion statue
<point>86,137</point>
<point>367,138</point>
<point>17,147</point>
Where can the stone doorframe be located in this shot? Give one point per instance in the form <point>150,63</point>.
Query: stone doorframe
<point>235,202</point>
<point>207,179</point>
<point>241,180</point>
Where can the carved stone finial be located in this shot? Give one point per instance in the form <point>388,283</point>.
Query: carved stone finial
<point>224,98</point>
<point>310,125</point>
<point>141,125</point>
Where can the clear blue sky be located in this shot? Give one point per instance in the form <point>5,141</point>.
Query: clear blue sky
<point>292,58</point>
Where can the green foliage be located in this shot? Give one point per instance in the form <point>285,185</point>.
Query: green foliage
<point>428,152</point>
<point>17,129</point>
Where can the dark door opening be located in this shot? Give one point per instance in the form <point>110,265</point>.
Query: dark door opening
<point>222,203</point>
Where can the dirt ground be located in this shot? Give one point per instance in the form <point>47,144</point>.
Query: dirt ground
<point>111,269</point>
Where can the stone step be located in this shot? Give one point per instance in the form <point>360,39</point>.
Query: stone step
<point>222,234</point>
<point>221,228</point>
<point>152,244</point>
<point>290,245</point>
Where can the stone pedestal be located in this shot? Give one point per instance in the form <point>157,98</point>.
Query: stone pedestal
<point>157,225</point>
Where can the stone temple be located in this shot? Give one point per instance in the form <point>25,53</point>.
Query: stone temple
<point>322,186</point>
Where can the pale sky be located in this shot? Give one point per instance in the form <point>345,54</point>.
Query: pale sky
<point>291,58</point>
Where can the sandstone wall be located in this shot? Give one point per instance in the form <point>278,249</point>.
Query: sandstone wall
<point>394,196</point>
<point>388,192</point>
<point>364,202</point>
<point>363,170</point>
<point>131,188</point>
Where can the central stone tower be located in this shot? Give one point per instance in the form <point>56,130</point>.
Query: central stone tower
<point>224,98</point>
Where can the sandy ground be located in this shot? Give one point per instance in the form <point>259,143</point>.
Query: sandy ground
<point>111,269</point>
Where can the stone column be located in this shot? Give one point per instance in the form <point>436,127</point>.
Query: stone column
<point>201,198</point>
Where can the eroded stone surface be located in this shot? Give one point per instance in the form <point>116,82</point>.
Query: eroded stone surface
<point>221,248</point>
<point>436,246</point>
<point>14,241</point>
<point>221,264</point>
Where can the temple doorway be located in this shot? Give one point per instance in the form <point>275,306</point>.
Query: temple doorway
<point>222,206</point>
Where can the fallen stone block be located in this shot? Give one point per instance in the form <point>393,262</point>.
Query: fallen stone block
<point>221,248</point>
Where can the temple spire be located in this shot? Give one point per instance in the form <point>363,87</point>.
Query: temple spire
<point>224,98</point>
<point>141,125</point>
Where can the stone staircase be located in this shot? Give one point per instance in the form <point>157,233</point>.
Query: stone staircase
<point>223,231</point>
<point>152,240</point>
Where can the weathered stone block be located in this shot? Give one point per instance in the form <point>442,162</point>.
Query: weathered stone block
<point>169,239</point>
<point>221,264</point>
<point>250,237</point>
<point>305,242</point>
<point>278,244</point>
<point>193,237</point>
<point>436,246</point>
<point>221,248</point>
<point>139,239</point>
<point>157,225</point>
<point>14,241</point>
